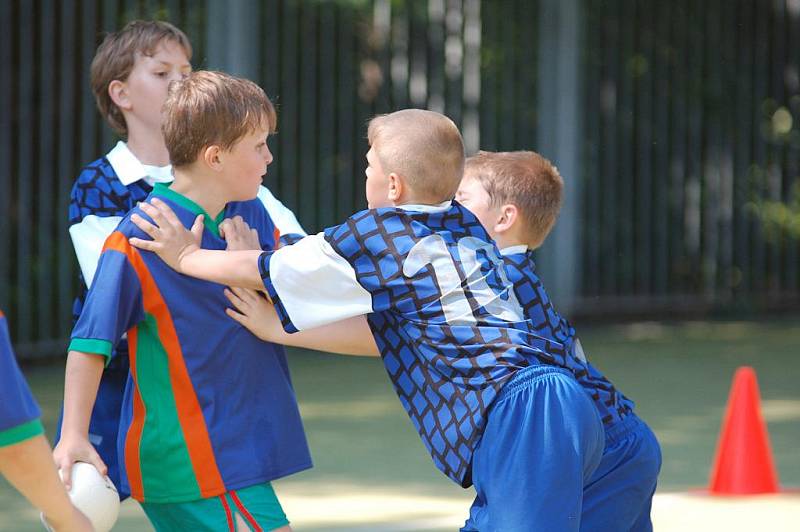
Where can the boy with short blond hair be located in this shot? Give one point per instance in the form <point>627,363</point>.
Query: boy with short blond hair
<point>209,416</point>
<point>431,151</point>
<point>517,197</point>
<point>493,402</point>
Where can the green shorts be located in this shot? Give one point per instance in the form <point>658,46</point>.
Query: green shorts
<point>257,506</point>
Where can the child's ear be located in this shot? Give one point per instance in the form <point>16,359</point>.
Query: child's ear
<point>118,92</point>
<point>397,187</point>
<point>212,156</point>
<point>508,217</point>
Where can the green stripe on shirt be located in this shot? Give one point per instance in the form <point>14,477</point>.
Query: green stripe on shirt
<point>167,471</point>
<point>21,433</point>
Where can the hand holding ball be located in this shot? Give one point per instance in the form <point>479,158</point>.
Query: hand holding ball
<point>94,495</point>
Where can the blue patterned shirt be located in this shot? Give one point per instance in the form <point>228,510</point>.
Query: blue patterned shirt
<point>530,292</point>
<point>450,330</point>
<point>98,192</point>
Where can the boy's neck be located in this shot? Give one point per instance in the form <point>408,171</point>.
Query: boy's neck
<point>508,241</point>
<point>201,189</point>
<point>411,197</point>
<point>147,145</point>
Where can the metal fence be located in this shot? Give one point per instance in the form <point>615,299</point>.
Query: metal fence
<point>686,127</point>
<point>49,128</point>
<point>689,134</point>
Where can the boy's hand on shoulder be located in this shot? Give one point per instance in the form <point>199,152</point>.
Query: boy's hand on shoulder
<point>171,241</point>
<point>238,234</point>
<point>254,312</point>
<point>71,449</point>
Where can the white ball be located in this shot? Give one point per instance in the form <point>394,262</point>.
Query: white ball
<point>95,496</point>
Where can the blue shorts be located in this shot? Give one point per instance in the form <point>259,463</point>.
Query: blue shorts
<point>541,445</point>
<point>620,492</point>
<point>104,423</point>
<point>546,463</point>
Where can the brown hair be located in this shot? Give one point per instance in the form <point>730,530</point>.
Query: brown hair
<point>424,147</point>
<point>116,56</point>
<point>211,108</point>
<point>522,178</point>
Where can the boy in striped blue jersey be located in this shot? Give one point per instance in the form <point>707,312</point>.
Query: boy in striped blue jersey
<point>209,415</point>
<point>130,74</point>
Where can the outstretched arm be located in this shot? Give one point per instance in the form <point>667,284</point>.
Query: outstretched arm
<point>309,282</point>
<point>180,249</point>
<point>347,337</point>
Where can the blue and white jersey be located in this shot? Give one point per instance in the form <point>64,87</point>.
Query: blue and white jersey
<point>104,192</point>
<point>450,330</point>
<point>612,405</point>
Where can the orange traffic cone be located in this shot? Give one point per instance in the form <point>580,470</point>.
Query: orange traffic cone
<point>743,464</point>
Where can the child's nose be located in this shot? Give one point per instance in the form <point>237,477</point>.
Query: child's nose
<point>268,156</point>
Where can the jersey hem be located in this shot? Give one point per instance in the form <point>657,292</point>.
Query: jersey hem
<point>181,498</point>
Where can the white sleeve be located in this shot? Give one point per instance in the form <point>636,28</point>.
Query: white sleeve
<point>88,237</point>
<point>313,284</point>
<point>283,218</point>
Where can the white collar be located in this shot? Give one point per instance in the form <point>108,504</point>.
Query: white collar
<point>514,250</point>
<point>441,207</point>
<point>130,170</point>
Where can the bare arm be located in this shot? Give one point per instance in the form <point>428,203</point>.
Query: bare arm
<point>29,466</point>
<point>180,249</point>
<point>80,391</point>
<point>351,336</point>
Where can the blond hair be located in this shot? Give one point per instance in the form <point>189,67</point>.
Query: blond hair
<point>524,179</point>
<point>212,108</point>
<point>424,147</point>
<point>116,56</point>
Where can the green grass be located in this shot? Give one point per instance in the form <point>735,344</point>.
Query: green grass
<point>678,374</point>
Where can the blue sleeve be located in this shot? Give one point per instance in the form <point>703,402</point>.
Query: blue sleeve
<point>113,305</point>
<point>84,199</point>
<point>289,239</point>
<point>19,413</point>
<point>78,210</point>
<point>89,196</point>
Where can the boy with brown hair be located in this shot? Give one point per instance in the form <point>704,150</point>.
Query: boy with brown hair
<point>493,401</point>
<point>130,75</point>
<point>209,416</point>
<point>517,197</point>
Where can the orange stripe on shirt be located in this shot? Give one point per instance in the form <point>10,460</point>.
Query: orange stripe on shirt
<point>193,423</point>
<point>277,236</point>
<point>134,437</point>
